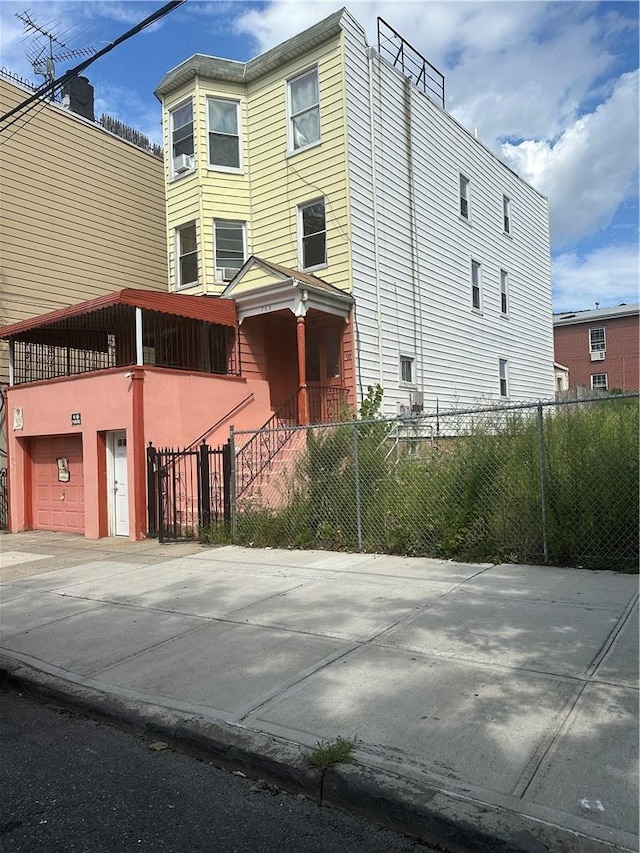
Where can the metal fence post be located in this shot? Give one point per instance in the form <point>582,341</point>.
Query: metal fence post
<point>152,491</point>
<point>356,477</point>
<point>233,485</point>
<point>204,486</point>
<point>543,482</point>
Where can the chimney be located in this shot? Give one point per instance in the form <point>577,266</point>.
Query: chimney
<point>79,93</point>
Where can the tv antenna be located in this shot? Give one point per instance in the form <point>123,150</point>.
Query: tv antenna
<point>41,55</point>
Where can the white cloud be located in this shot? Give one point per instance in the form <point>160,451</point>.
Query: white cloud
<point>608,276</point>
<point>591,169</point>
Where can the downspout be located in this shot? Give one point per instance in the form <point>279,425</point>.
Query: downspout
<point>418,337</point>
<point>374,189</point>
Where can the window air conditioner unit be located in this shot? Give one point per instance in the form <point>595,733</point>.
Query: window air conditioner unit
<point>597,356</point>
<point>226,273</point>
<point>417,401</point>
<point>182,163</point>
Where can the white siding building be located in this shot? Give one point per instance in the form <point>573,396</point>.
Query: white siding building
<point>443,248</point>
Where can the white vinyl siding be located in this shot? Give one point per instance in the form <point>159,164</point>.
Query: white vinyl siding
<point>418,297</point>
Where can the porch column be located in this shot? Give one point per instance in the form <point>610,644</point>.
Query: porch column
<point>139,349</point>
<point>303,399</point>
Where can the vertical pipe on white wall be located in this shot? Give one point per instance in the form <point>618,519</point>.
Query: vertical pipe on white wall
<point>418,337</point>
<point>374,189</point>
<point>139,349</point>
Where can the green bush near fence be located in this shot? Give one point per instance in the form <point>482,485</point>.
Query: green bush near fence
<point>472,493</point>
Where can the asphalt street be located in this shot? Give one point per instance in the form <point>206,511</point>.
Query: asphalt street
<point>72,784</point>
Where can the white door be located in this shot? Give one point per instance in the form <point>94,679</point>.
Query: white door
<point>120,503</point>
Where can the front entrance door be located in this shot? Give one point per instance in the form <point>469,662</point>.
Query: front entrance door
<point>119,504</point>
<point>324,373</point>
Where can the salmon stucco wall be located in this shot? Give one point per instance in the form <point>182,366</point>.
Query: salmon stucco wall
<point>104,402</point>
<point>178,408</point>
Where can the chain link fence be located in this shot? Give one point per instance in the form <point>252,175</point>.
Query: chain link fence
<point>553,481</point>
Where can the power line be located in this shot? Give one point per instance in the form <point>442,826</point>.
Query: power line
<point>52,85</point>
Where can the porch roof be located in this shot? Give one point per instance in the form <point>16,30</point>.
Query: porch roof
<point>210,309</point>
<point>282,288</point>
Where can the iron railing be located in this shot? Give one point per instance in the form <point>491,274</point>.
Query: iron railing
<point>397,50</point>
<point>4,499</point>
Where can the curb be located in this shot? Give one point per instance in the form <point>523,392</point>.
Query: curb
<point>440,818</point>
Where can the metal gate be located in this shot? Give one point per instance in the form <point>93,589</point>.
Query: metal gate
<point>188,490</point>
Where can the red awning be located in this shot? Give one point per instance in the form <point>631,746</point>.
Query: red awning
<point>211,309</point>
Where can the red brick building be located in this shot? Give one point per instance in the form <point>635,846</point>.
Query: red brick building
<point>600,347</point>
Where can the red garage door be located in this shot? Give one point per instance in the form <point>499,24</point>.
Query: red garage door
<point>58,483</point>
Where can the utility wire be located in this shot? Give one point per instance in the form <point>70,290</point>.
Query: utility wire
<point>52,85</point>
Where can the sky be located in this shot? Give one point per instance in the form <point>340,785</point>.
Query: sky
<point>550,87</point>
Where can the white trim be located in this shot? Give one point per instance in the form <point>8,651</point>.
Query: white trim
<point>171,111</point>
<point>593,349</point>
<point>604,387</point>
<point>180,285</point>
<point>243,224</point>
<point>403,383</point>
<point>477,309</point>
<point>214,167</point>
<point>506,214</point>
<point>301,235</point>
<point>504,289</point>
<point>291,149</point>
<point>467,197</point>
<point>505,378</point>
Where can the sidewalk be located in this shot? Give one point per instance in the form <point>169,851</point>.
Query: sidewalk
<point>493,707</point>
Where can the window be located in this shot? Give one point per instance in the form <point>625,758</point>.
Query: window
<point>406,369</point>
<point>304,110</point>
<point>599,381</point>
<point>224,133</point>
<point>182,139</point>
<point>506,214</point>
<point>229,248</point>
<point>504,377</point>
<point>504,284</point>
<point>312,228</point>
<point>475,285</point>
<point>465,208</point>
<point>597,342</point>
<point>187,255</point>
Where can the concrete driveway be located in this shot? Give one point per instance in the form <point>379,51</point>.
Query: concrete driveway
<point>500,698</point>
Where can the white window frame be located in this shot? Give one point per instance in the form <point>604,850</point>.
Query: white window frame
<point>410,360</point>
<point>217,167</point>
<point>596,386</point>
<point>464,197</point>
<point>503,377</point>
<point>599,346</point>
<point>172,130</point>
<point>179,255</point>
<point>504,293</point>
<point>506,215</point>
<point>476,285</point>
<point>302,235</point>
<point>228,222</point>
<point>291,147</point>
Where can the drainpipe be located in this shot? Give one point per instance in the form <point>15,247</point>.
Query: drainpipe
<point>139,456</point>
<point>374,190</point>
<point>418,337</point>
